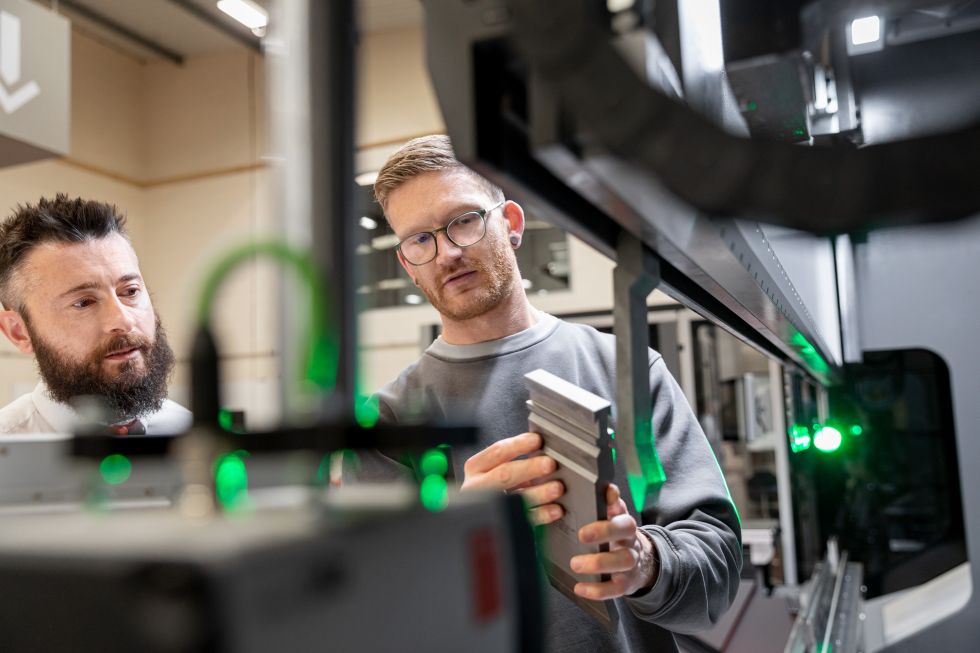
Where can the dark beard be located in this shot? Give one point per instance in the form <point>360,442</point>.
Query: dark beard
<point>136,390</point>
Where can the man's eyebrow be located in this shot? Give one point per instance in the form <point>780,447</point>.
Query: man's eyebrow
<point>447,215</point>
<point>92,285</point>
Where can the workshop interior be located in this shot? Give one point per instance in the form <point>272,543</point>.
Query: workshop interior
<point>779,196</point>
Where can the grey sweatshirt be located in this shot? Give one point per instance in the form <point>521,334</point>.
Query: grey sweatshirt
<point>695,525</point>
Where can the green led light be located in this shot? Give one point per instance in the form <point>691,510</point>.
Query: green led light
<point>366,411</point>
<point>434,493</point>
<point>799,438</point>
<point>231,481</point>
<point>751,106</point>
<point>856,430</point>
<point>434,462</point>
<point>614,455</point>
<point>115,469</point>
<point>828,439</point>
<point>224,419</point>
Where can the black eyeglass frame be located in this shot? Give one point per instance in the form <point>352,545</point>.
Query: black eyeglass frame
<point>483,213</point>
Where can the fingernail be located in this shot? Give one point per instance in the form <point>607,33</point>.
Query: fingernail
<point>555,512</point>
<point>586,536</point>
<point>576,565</point>
<point>546,464</point>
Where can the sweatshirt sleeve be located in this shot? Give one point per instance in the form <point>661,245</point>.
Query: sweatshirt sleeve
<point>695,525</point>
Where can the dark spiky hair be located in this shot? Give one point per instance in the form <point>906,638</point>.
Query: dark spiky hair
<point>62,220</point>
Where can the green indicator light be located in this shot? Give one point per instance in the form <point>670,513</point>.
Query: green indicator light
<point>614,455</point>
<point>434,493</point>
<point>856,430</point>
<point>751,106</point>
<point>224,419</point>
<point>827,439</point>
<point>799,438</point>
<point>434,462</point>
<point>798,132</point>
<point>231,481</point>
<point>115,469</point>
<point>366,411</point>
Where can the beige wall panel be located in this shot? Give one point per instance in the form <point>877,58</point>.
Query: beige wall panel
<point>199,116</point>
<point>395,96</point>
<point>107,128</point>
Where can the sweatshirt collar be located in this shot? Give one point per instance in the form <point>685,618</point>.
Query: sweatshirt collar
<point>534,334</point>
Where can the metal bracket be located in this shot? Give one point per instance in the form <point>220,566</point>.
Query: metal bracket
<point>636,275</point>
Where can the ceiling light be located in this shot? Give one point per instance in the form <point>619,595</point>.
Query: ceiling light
<point>368,223</point>
<point>366,178</point>
<point>245,12</point>
<point>413,299</point>
<point>865,30</point>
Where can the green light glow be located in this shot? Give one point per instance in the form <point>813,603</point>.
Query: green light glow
<point>224,419</point>
<point>809,353</point>
<point>799,438</point>
<point>828,439</point>
<point>366,411</point>
<point>115,469</point>
<point>434,493</point>
<point>231,481</point>
<point>434,462</point>
<point>751,106</point>
<point>856,430</point>
<point>614,455</point>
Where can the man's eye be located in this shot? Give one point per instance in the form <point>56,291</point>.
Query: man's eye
<point>83,303</point>
<point>131,292</point>
<point>466,220</point>
<point>421,239</point>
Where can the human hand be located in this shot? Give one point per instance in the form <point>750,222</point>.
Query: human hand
<point>495,468</point>
<point>630,560</point>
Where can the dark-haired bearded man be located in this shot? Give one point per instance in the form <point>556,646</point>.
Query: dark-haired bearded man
<point>74,298</point>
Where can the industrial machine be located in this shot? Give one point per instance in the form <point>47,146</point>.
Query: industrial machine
<point>803,174</point>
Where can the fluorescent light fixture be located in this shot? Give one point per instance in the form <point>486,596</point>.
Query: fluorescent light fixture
<point>245,12</point>
<point>527,283</point>
<point>865,30</point>
<point>368,223</point>
<point>388,241</point>
<point>413,299</point>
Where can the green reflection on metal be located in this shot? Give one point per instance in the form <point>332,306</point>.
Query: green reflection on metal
<point>231,481</point>
<point>799,438</point>
<point>809,353</point>
<point>115,469</point>
<point>434,493</point>
<point>434,462</point>
<point>645,487</point>
<point>827,439</point>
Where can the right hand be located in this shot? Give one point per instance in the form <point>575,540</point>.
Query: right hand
<point>495,468</point>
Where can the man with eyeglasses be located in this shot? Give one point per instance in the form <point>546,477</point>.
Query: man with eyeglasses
<point>457,236</point>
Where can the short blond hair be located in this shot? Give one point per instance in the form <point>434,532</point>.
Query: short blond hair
<point>420,155</point>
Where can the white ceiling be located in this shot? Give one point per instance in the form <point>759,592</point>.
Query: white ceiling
<point>179,31</point>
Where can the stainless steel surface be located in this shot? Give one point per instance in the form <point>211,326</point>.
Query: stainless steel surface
<point>573,424</point>
<point>939,268</point>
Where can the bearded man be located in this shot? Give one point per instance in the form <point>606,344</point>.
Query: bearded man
<point>73,297</point>
<point>676,570</point>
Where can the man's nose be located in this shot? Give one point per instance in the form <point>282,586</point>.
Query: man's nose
<point>448,250</point>
<point>118,317</point>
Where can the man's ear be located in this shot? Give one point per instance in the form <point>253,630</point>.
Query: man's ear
<point>13,326</point>
<point>408,267</point>
<point>514,215</point>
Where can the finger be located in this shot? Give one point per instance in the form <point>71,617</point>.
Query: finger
<point>545,514</point>
<point>610,589</point>
<point>620,527</point>
<point>608,562</point>
<point>501,451</point>
<point>538,495</point>
<point>615,503</point>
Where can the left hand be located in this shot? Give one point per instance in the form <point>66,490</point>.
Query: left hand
<point>631,558</point>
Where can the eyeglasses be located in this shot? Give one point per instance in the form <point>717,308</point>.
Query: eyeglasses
<point>463,231</point>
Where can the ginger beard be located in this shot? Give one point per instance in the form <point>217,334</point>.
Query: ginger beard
<point>129,389</point>
<point>497,270</point>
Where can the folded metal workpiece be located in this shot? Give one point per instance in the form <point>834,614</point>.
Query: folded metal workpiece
<point>573,424</point>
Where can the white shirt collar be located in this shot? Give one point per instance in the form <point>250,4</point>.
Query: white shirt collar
<point>61,417</point>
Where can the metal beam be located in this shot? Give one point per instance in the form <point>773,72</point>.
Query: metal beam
<point>108,23</point>
<point>227,27</point>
